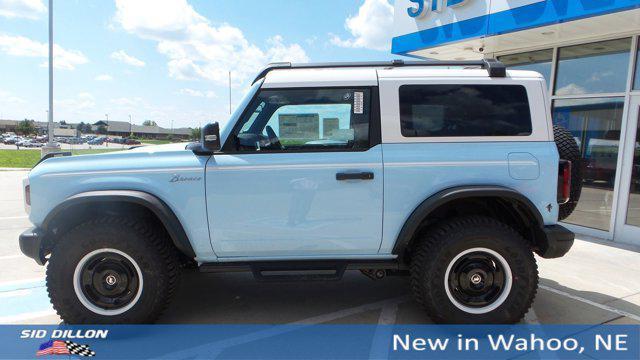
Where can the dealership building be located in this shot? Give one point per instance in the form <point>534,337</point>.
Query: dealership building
<point>587,51</point>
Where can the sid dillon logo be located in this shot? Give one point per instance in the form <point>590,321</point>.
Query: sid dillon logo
<point>60,347</point>
<point>58,343</point>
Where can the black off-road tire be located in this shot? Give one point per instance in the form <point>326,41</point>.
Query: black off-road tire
<point>569,150</point>
<point>438,249</point>
<point>150,249</point>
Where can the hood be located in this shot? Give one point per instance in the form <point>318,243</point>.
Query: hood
<point>158,148</point>
<point>140,158</point>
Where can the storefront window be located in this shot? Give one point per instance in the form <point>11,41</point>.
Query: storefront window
<point>633,210</point>
<point>595,124</point>
<point>539,61</point>
<point>636,83</point>
<point>600,67</point>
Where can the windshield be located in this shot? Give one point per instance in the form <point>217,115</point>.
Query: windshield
<point>227,126</point>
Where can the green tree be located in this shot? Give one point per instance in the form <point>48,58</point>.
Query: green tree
<point>195,133</point>
<point>26,127</point>
<point>81,127</point>
<point>149,123</point>
<point>102,130</point>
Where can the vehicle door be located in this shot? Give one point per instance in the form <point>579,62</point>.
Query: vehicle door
<point>299,175</point>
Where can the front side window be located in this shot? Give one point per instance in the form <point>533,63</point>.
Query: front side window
<point>305,120</point>
<point>464,110</point>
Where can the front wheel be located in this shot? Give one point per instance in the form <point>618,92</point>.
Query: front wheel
<point>112,270</point>
<point>474,270</point>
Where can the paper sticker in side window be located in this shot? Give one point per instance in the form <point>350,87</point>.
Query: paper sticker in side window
<point>358,102</point>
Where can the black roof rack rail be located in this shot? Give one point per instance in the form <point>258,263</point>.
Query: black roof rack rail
<point>494,67</point>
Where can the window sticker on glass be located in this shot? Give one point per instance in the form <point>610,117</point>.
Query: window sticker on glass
<point>358,102</point>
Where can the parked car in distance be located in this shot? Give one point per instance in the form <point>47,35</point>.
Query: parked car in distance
<point>96,141</point>
<point>131,142</point>
<point>11,140</point>
<point>75,141</point>
<point>23,142</point>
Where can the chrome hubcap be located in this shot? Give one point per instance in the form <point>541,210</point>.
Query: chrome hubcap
<point>111,280</point>
<point>476,279</point>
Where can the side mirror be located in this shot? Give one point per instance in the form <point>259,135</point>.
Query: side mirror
<point>210,137</point>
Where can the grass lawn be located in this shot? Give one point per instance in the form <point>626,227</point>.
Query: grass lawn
<point>28,158</point>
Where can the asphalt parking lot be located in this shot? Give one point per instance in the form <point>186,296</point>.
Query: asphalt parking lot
<point>595,283</point>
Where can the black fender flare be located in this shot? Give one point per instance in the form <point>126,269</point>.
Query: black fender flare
<point>422,211</point>
<point>158,207</point>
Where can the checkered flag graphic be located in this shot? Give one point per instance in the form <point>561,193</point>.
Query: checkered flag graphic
<point>78,349</point>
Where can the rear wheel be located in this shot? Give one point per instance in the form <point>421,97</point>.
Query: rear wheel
<point>112,270</point>
<point>474,270</point>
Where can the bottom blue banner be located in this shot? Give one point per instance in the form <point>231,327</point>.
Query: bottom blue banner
<point>321,342</point>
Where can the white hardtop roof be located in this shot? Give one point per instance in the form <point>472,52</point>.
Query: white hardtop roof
<point>368,76</point>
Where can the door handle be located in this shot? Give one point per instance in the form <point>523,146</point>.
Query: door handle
<point>354,176</point>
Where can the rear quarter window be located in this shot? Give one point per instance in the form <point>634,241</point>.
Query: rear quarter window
<point>464,110</point>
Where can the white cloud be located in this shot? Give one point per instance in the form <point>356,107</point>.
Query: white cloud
<point>8,98</point>
<point>571,89</point>
<point>25,47</point>
<point>127,102</point>
<point>28,9</point>
<point>194,48</point>
<point>123,57</point>
<point>82,101</point>
<point>104,77</point>
<point>371,28</point>
<point>197,93</point>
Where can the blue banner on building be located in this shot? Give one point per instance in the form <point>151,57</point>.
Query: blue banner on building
<point>425,26</point>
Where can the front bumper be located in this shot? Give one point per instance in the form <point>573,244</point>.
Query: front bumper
<point>555,241</point>
<point>31,244</point>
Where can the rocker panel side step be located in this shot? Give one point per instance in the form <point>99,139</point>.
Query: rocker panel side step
<point>299,270</point>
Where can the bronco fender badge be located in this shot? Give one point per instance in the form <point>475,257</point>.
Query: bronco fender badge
<point>177,178</point>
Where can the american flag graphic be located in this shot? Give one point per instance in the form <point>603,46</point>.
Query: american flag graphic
<point>59,347</point>
<point>53,347</point>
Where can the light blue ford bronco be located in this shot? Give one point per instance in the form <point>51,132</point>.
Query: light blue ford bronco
<point>448,172</point>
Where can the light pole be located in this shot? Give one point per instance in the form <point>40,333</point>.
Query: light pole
<point>130,133</point>
<point>50,73</point>
<point>107,129</point>
<point>51,146</point>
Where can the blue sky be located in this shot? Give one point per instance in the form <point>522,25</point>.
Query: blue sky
<point>167,60</point>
